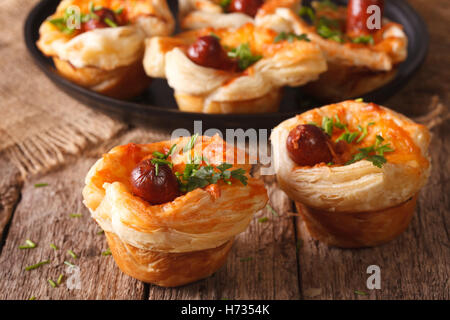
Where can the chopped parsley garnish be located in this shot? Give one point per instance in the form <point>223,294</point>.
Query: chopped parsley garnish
<point>328,29</point>
<point>328,4</point>
<point>364,39</point>
<point>364,131</point>
<point>290,37</point>
<point>52,283</point>
<point>40,185</point>
<point>29,245</point>
<point>119,11</point>
<point>225,4</point>
<point>37,265</point>
<point>110,23</point>
<point>60,278</point>
<point>374,153</point>
<point>244,56</point>
<point>307,12</point>
<point>191,143</point>
<point>361,293</point>
<point>161,158</point>
<point>327,125</point>
<point>107,252</point>
<point>195,176</point>
<point>72,254</point>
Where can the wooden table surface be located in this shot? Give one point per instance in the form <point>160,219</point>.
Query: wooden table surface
<point>272,260</point>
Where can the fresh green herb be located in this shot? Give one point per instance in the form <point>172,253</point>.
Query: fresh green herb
<point>72,254</point>
<point>69,264</point>
<point>329,29</point>
<point>327,4</point>
<point>338,123</point>
<point>263,219</point>
<point>107,252</point>
<point>272,210</point>
<point>374,153</point>
<point>225,4</point>
<point>110,23</point>
<point>246,259</point>
<point>307,12</point>
<point>32,298</point>
<point>75,215</point>
<point>52,283</point>
<point>327,125</point>
<point>195,176</point>
<point>364,131</point>
<point>119,11</point>
<point>60,278</point>
<point>364,39</point>
<point>313,123</point>
<point>40,185</point>
<point>244,56</point>
<point>347,136</point>
<point>191,143</point>
<point>29,245</point>
<point>359,100</point>
<point>161,158</point>
<point>53,246</point>
<point>361,293</point>
<point>290,37</point>
<point>330,163</point>
<point>37,265</point>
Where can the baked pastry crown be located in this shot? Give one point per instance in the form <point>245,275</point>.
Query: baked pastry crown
<point>282,64</point>
<point>360,186</point>
<point>198,220</point>
<point>107,48</point>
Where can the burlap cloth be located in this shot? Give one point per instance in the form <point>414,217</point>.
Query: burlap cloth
<point>39,124</point>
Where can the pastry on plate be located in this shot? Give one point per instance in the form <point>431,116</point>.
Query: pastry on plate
<point>99,44</point>
<point>359,59</point>
<point>196,14</point>
<point>354,170</point>
<point>230,70</point>
<point>170,210</point>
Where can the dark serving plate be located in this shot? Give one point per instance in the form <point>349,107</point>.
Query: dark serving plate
<point>157,106</point>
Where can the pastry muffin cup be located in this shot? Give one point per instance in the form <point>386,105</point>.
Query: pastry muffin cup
<point>353,69</point>
<point>357,229</point>
<point>255,89</point>
<point>356,203</point>
<point>166,269</point>
<point>180,241</point>
<point>107,60</point>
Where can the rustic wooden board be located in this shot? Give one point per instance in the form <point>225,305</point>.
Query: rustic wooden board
<point>43,215</point>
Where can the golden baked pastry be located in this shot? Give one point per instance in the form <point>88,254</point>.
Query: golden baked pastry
<point>232,70</point>
<point>359,60</point>
<point>354,170</point>
<point>100,44</point>
<point>170,210</point>
<point>232,13</point>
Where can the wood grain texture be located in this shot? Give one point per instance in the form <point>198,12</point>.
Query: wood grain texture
<point>43,216</point>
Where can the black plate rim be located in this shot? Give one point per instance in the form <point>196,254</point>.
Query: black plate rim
<point>136,109</point>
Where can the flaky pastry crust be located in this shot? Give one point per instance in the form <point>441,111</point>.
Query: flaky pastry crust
<point>151,242</point>
<point>209,13</point>
<point>353,69</point>
<point>257,89</point>
<point>352,205</point>
<point>97,58</point>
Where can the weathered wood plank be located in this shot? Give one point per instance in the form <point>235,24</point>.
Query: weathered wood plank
<point>10,185</point>
<point>261,265</point>
<point>43,215</point>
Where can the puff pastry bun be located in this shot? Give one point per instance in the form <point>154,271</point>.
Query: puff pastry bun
<point>356,203</point>
<point>211,13</point>
<point>106,58</point>
<point>353,68</point>
<point>180,241</point>
<point>253,90</point>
